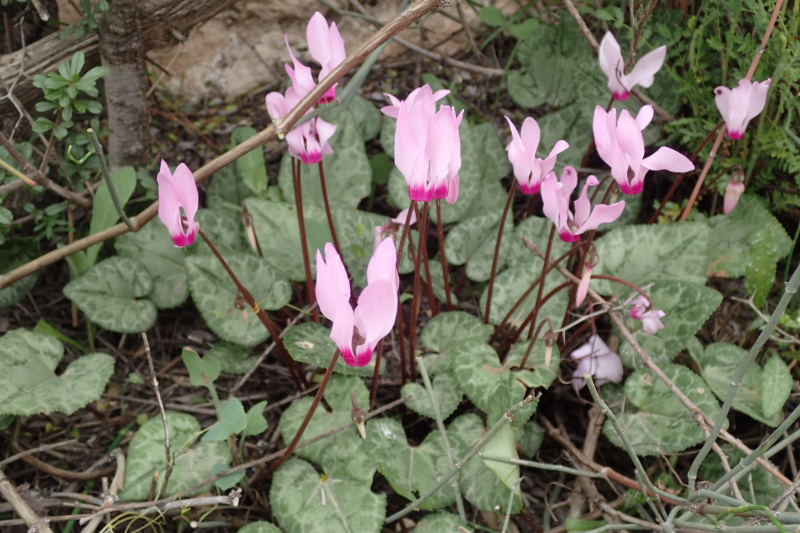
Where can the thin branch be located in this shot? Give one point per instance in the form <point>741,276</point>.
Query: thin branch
<point>154,383</point>
<point>22,508</point>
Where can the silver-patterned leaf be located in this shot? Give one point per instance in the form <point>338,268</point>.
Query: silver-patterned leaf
<point>777,385</point>
<point>13,254</point>
<point>367,116</point>
<point>445,392</point>
<point>232,358</point>
<point>446,330</point>
<point>311,343</point>
<point>438,523</point>
<point>224,229</point>
<point>473,241</point>
<point>259,527</point>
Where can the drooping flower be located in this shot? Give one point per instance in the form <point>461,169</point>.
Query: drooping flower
<point>596,359</point>
<point>427,145</point>
<point>308,141</point>
<point>740,105</point>
<point>613,65</point>
<point>176,190</point>
<point>529,169</point>
<point>327,48</point>
<point>555,203</point>
<point>356,333</point>
<point>589,262</point>
<point>733,191</point>
<point>621,146</point>
<point>393,226</point>
<point>641,309</point>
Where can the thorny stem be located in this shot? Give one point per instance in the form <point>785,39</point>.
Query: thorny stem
<point>107,177</point>
<point>328,208</point>
<point>497,250</point>
<point>736,380</point>
<point>505,419</point>
<point>440,424</point>
<point>429,280</point>
<point>298,202</point>
<point>415,299</point>
<point>264,475</point>
<point>297,377</point>
<point>442,255</point>
<point>776,10</point>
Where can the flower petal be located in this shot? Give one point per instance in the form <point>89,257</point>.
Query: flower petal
<point>668,159</point>
<point>383,263</point>
<point>376,312</point>
<point>602,214</point>
<point>646,67</point>
<point>342,331</point>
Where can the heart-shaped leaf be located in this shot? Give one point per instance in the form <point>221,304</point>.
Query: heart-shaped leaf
<point>202,372</point>
<point>13,254</point>
<point>342,455</point>
<point>473,241</point>
<point>190,466</point>
<point>305,502</point>
<point>224,229</point>
<point>762,261</point>
<point>249,167</point>
<point>446,330</point>
<point>165,263</point>
<point>112,295</point>
<point>232,420</point>
<point>232,358</point>
<point>214,294</point>
<point>311,343</point>
<point>29,384</point>
<point>777,385</point>
<point>225,187</point>
<point>445,392</point>
<point>256,423</point>
<point>503,445</point>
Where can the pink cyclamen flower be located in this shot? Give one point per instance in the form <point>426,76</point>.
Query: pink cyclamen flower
<point>556,198</point>
<point>393,226</point>
<point>641,309</point>
<point>596,359</point>
<point>427,145</point>
<point>589,262</point>
<point>528,169</point>
<point>733,191</point>
<point>308,141</point>
<point>327,48</point>
<point>740,105</point>
<point>621,146</point>
<point>175,191</point>
<point>613,65</point>
<point>356,333</point>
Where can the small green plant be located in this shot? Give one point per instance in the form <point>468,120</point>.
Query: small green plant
<point>48,220</point>
<point>88,22</point>
<point>61,92</point>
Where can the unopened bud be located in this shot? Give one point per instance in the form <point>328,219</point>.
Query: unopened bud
<point>247,222</point>
<point>241,304</point>
<point>549,340</point>
<point>358,416</point>
<point>733,191</point>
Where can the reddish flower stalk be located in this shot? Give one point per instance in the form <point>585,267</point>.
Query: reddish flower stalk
<point>429,280</point>
<point>445,270</point>
<point>328,207</point>
<point>298,201</point>
<point>489,290</point>
<point>415,300</point>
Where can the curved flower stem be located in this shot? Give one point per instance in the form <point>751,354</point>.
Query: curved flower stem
<point>264,475</point>
<point>428,279</point>
<point>375,376</point>
<point>297,377</point>
<point>415,300</point>
<point>440,424</point>
<point>401,343</point>
<point>328,208</point>
<point>445,272</point>
<point>497,251</point>
<point>623,282</point>
<point>298,202</point>
<point>505,419</point>
<point>533,341</point>
<point>411,208</point>
<point>529,320</point>
<point>749,75</point>
<point>544,277</point>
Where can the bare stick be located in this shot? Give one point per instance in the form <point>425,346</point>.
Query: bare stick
<point>398,24</point>
<point>154,383</point>
<point>32,451</point>
<point>110,497</point>
<point>21,507</point>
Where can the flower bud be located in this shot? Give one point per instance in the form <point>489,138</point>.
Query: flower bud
<point>550,338</point>
<point>733,191</point>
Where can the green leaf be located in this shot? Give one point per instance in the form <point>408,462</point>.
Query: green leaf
<point>225,187</point>
<point>256,423</point>
<point>348,177</point>
<point>510,285</point>
<point>42,125</point>
<point>687,306</point>
<point>232,420</point>
<point>202,372</point>
<point>537,229</point>
<point>341,455</point>
<point>438,523</point>
<point>96,73</point>
<point>279,234</point>
<point>250,166</point>
<point>104,214</point>
<point>447,330</point>
<point>214,294</point>
<point>191,465</point>
<point>13,254</point>
<point>311,343</point>
<point>259,527</point>
<point>112,295</point>
<point>767,489</point>
<point>232,358</point>
<point>381,166</point>
<point>718,363</point>
<point>366,115</point>
<point>652,417</point>
<point>530,438</point>
<point>762,262</point>
<point>525,29</point>
<point>731,237</point>
<point>503,445</point>
<point>224,229</point>
<point>165,263</point>
<point>576,525</point>
<point>445,391</point>
<point>777,385</point>
<point>644,254</point>
<point>43,327</point>
<point>356,233</point>
<point>30,385</point>
<point>305,502</point>
<point>413,471</point>
<point>492,16</point>
<point>473,241</point>
<point>229,481</point>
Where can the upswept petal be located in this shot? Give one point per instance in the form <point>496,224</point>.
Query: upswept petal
<point>318,38</point>
<point>383,263</point>
<point>277,105</point>
<point>342,331</point>
<point>602,214</point>
<point>324,130</point>
<point>569,181</point>
<point>629,138</point>
<point>441,140</point>
<point>604,138</point>
<point>530,135</point>
<point>583,286</point>
<point>644,70</point>
<point>377,309</point>
<point>611,63</point>
<point>758,99</point>
<point>583,206</point>
<point>553,204</point>
<point>301,74</point>
<point>168,208</point>
<point>644,117</point>
<point>668,159</point>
